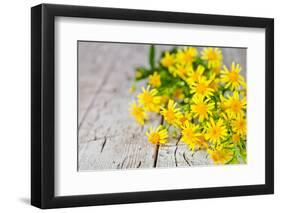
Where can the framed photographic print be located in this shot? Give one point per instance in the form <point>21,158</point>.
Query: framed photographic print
<point>140,106</point>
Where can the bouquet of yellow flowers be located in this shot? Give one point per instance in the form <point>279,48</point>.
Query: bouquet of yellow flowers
<point>199,98</point>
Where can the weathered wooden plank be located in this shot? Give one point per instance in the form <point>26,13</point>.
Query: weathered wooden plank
<point>90,67</point>
<point>109,138</point>
<point>119,152</point>
<point>110,104</point>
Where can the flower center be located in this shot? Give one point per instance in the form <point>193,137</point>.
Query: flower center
<point>241,124</point>
<point>147,98</point>
<point>170,115</point>
<point>168,62</point>
<point>233,76</point>
<point>154,138</point>
<point>201,108</point>
<point>212,55</point>
<point>155,81</point>
<point>236,106</point>
<point>201,88</point>
<point>215,132</point>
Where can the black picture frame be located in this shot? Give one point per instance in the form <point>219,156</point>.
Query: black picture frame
<point>43,105</point>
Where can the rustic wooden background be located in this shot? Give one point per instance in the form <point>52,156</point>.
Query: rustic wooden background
<point>108,137</point>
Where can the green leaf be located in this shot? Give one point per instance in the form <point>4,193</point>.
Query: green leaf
<point>152,56</point>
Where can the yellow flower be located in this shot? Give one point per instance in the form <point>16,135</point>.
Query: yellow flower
<point>235,105</point>
<point>154,80</point>
<point>138,113</point>
<point>186,56</point>
<point>179,70</point>
<point>178,93</point>
<point>215,131</point>
<point>149,99</point>
<point>220,155</point>
<point>232,78</point>
<point>212,55</point>
<point>190,135</point>
<point>186,117</point>
<point>201,108</point>
<point>171,114</point>
<point>168,60</point>
<point>239,125</point>
<point>202,88</point>
<point>194,76</point>
<point>236,138</point>
<point>157,135</point>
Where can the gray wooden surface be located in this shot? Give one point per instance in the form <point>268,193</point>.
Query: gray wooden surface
<point>108,137</point>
